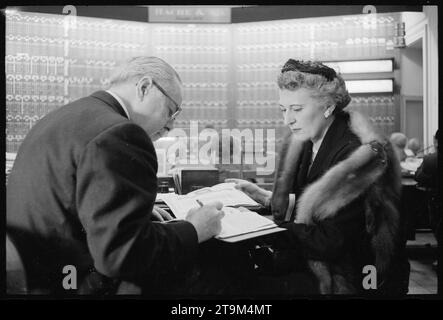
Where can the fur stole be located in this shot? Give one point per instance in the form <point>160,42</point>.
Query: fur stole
<point>372,171</point>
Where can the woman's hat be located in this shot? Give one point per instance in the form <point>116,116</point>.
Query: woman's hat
<point>312,67</point>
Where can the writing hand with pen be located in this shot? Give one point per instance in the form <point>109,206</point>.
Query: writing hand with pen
<point>206,220</point>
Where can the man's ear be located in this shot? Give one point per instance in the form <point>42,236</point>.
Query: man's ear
<point>143,86</point>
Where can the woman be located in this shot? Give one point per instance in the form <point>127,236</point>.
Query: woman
<point>337,186</point>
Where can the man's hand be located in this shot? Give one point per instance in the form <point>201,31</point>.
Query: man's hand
<point>260,195</point>
<point>206,220</point>
<point>158,214</point>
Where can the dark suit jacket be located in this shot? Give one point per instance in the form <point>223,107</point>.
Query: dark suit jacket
<point>342,237</point>
<point>427,173</point>
<point>81,193</point>
<point>427,176</point>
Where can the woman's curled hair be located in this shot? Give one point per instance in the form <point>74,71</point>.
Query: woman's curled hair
<point>322,80</point>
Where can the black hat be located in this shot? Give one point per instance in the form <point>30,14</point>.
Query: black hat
<point>312,67</point>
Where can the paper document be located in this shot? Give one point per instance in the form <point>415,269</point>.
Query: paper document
<point>235,222</point>
<point>223,192</point>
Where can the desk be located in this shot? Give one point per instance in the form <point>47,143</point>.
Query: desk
<point>229,269</point>
<point>247,233</point>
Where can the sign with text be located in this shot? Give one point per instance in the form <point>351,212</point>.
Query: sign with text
<point>189,14</point>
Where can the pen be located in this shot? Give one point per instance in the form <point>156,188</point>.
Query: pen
<point>200,203</point>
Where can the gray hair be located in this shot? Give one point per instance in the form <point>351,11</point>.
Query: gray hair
<point>399,139</point>
<point>137,67</point>
<point>332,92</point>
<point>414,145</point>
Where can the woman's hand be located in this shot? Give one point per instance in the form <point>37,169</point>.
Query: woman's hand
<point>260,195</point>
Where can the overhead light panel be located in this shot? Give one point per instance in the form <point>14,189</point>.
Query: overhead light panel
<point>370,86</point>
<point>361,66</point>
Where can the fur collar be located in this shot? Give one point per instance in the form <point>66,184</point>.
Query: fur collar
<point>347,180</point>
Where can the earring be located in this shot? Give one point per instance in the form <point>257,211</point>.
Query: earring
<point>329,111</point>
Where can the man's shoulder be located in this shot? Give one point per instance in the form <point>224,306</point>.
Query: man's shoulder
<point>431,159</point>
<point>91,108</point>
<point>87,115</point>
<point>73,125</point>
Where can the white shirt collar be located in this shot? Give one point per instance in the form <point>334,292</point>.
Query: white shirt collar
<point>119,101</point>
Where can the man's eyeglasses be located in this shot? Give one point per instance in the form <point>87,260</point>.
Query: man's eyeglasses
<point>178,108</point>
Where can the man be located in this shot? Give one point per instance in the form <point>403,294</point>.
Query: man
<point>399,141</point>
<point>83,186</point>
<point>427,174</point>
<point>427,177</point>
<point>412,148</point>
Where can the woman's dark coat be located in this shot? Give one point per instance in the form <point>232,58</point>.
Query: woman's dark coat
<point>346,216</point>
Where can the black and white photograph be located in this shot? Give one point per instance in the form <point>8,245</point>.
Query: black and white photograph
<point>210,152</point>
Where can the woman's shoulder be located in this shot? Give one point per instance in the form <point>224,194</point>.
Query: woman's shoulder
<point>350,142</point>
